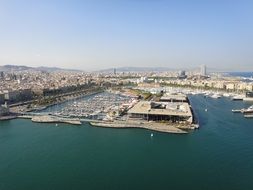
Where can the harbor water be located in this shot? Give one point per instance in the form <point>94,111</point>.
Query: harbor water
<point>217,156</point>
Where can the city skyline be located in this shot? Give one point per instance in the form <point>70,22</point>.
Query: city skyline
<point>95,35</point>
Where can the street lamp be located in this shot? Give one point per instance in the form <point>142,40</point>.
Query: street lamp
<point>148,113</point>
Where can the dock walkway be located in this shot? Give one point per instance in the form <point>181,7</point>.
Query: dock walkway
<point>161,127</point>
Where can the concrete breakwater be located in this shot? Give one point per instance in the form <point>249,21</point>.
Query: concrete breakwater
<point>54,119</point>
<point>154,126</point>
<point>8,117</point>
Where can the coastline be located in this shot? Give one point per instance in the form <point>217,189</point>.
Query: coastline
<point>8,117</point>
<point>153,126</point>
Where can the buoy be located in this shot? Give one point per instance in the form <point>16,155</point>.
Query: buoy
<point>56,124</point>
<point>151,135</point>
<point>206,109</point>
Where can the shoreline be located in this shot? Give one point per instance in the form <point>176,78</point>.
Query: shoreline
<point>8,117</point>
<point>153,126</point>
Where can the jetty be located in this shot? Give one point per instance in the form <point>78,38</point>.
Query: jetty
<point>154,126</point>
<point>54,119</point>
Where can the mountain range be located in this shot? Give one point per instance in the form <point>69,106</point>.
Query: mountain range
<point>12,68</point>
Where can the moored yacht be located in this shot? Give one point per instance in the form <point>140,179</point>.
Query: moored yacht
<point>248,110</point>
<point>216,96</point>
<point>237,97</point>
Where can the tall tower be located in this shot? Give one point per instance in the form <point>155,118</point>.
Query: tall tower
<point>203,70</point>
<point>1,74</point>
<point>114,71</point>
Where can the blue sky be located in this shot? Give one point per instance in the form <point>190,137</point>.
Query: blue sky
<point>92,35</point>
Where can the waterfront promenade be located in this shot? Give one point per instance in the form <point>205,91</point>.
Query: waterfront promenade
<point>160,127</point>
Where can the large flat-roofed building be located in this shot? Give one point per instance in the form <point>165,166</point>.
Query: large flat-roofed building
<point>162,111</point>
<point>203,70</point>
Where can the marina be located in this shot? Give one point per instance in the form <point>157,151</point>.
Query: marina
<point>100,106</point>
<point>126,95</point>
<point>171,114</point>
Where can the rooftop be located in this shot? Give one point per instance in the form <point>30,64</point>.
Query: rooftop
<point>161,108</point>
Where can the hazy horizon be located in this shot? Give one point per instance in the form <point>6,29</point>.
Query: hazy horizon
<point>95,35</point>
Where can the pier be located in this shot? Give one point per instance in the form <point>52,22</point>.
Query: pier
<point>45,118</point>
<point>160,127</point>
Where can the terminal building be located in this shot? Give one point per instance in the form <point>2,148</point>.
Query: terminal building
<point>169,108</point>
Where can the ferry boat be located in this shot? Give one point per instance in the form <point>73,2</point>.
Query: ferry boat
<point>248,110</point>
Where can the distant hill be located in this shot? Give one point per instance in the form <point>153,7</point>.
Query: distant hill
<point>12,68</point>
<point>136,69</point>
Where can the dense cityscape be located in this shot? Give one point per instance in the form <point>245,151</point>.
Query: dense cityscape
<point>24,91</point>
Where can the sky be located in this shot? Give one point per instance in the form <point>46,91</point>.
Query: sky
<point>94,35</point>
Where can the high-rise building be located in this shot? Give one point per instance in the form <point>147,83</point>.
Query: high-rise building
<point>1,74</point>
<point>181,74</point>
<point>203,70</point>
<point>114,71</point>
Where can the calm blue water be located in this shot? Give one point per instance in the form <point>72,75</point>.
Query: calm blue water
<point>241,74</point>
<point>217,156</point>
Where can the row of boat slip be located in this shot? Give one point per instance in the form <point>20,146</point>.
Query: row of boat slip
<point>95,106</point>
<point>217,95</point>
<point>210,93</point>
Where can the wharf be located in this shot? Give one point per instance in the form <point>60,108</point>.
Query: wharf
<point>8,117</point>
<point>54,119</point>
<point>154,126</point>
